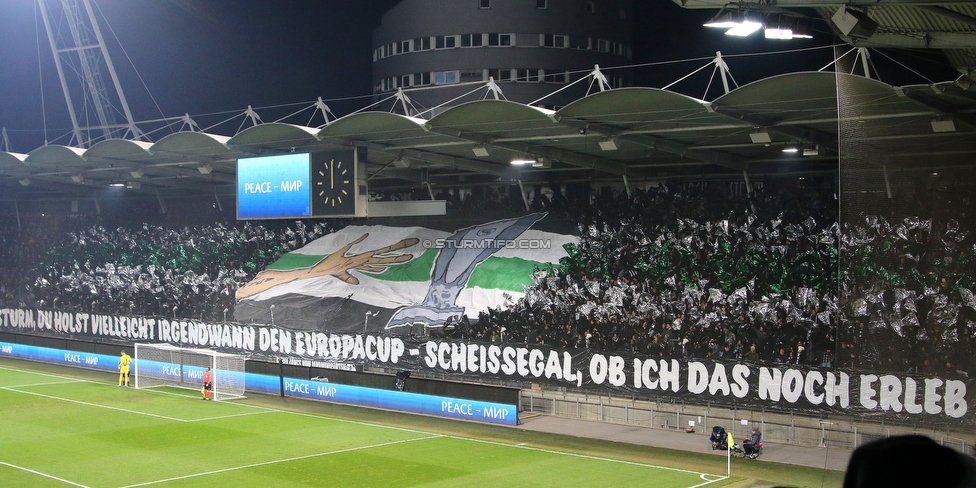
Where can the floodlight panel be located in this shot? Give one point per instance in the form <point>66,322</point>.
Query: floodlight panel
<point>744,29</point>
<point>724,20</point>
<point>778,33</point>
<point>722,24</point>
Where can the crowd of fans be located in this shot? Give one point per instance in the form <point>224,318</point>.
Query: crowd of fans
<point>693,271</point>
<point>908,285</point>
<point>144,270</point>
<point>690,270</point>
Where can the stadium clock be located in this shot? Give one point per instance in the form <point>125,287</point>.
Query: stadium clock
<point>334,188</point>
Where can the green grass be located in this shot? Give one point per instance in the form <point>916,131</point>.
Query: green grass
<point>69,427</point>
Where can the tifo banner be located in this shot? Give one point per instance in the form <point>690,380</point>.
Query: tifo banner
<point>380,277</point>
<point>910,397</point>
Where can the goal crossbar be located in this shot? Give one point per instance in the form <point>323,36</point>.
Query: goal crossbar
<point>158,365</point>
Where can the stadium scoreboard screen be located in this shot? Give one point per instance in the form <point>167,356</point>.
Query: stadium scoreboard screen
<point>274,187</point>
<point>299,185</point>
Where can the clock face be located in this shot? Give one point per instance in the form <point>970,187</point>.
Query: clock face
<point>333,188</point>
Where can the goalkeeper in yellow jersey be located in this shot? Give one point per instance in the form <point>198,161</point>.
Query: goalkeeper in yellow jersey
<point>124,361</point>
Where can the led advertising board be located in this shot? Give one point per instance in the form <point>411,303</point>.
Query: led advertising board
<point>274,187</point>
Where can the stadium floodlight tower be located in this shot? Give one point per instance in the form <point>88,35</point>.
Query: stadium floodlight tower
<point>164,365</point>
<point>80,56</point>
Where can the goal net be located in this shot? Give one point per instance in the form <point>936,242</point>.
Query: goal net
<point>182,367</point>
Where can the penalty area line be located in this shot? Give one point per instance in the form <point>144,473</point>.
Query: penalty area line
<point>221,417</point>
<point>286,460</point>
<point>38,373</point>
<point>31,385</point>
<point>38,473</point>
<point>52,397</point>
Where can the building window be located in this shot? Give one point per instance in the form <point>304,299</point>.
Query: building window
<point>553,40</point>
<point>421,44</point>
<point>578,42</point>
<point>500,74</point>
<point>527,75</point>
<point>445,42</point>
<point>603,45</point>
<point>472,75</point>
<point>406,80</point>
<point>554,76</point>
<point>541,4</point>
<point>445,77</point>
<point>590,7</point>
<point>471,40</point>
<point>484,4</point>
<point>405,46</point>
<point>496,39</point>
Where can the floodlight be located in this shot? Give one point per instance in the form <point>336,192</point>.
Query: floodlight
<point>523,160</point>
<point>205,169</point>
<point>480,150</point>
<point>801,31</point>
<point>137,173</point>
<point>744,29</point>
<point>778,33</point>
<point>786,28</point>
<point>725,19</point>
<point>24,182</point>
<point>78,178</point>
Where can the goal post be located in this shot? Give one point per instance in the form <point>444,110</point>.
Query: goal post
<point>183,367</point>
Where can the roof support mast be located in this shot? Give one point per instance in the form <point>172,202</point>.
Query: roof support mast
<point>84,51</point>
<point>723,70</point>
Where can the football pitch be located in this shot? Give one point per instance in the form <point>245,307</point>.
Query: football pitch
<point>61,429</point>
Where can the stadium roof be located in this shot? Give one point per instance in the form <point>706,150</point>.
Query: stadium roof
<point>628,134</point>
<point>946,25</point>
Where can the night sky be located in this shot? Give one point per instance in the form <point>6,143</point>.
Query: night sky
<point>219,56</point>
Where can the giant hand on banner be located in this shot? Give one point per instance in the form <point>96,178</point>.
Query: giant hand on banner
<point>337,264</point>
<point>463,251</point>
